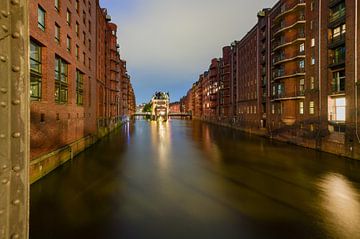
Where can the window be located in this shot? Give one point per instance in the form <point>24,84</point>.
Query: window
<point>68,43</point>
<point>89,7</point>
<point>312,83</point>
<point>61,81</point>
<point>337,109</point>
<point>57,33</point>
<point>89,45</point>
<point>77,28</point>
<point>68,17</point>
<point>79,88</point>
<point>89,63</point>
<point>41,18</point>
<point>302,64</point>
<point>338,55</point>
<point>302,47</point>
<point>57,5</point>
<point>84,38</point>
<point>311,107</point>
<point>273,109</point>
<point>302,86</point>
<point>35,71</point>
<point>77,52</point>
<point>77,6</point>
<point>301,107</point>
<point>312,61</point>
<point>338,82</point>
<point>312,42</point>
<point>84,58</point>
<point>89,25</point>
<point>84,17</point>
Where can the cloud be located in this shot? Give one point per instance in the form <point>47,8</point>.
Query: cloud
<point>173,38</point>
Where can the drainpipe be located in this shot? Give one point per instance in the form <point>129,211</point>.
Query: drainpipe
<point>356,72</point>
<point>320,95</point>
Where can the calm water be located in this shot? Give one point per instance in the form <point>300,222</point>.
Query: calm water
<point>185,179</point>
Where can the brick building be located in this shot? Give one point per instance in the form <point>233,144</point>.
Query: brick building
<point>294,76</point>
<point>174,107</point>
<point>75,79</point>
<point>63,70</point>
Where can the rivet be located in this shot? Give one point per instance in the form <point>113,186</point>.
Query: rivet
<point>4,167</point>
<point>15,236</point>
<point>2,58</point>
<point>2,136</point>
<point>4,181</point>
<point>4,28</point>
<point>16,168</point>
<point>16,35</point>
<point>16,102</point>
<point>16,68</point>
<point>1,211</point>
<point>16,135</point>
<point>3,90</point>
<point>15,2</point>
<point>3,104</point>
<point>16,202</point>
<point>5,14</point>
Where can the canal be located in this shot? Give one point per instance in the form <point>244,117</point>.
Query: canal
<point>187,179</point>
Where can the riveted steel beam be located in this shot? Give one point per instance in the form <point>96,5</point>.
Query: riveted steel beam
<point>14,119</point>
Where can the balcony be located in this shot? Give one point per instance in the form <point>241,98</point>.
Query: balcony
<point>337,61</point>
<point>292,95</point>
<point>281,74</point>
<point>337,41</point>
<point>337,18</point>
<point>282,59</point>
<point>284,27</point>
<point>333,3</point>
<point>288,8</point>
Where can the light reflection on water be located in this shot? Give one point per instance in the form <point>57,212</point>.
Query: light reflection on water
<point>160,138</point>
<point>340,205</point>
<point>187,179</point>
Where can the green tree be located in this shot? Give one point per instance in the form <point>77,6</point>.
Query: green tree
<point>147,107</point>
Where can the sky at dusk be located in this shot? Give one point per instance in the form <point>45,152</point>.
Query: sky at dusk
<point>168,43</point>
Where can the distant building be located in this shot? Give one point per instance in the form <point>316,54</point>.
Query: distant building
<point>174,107</point>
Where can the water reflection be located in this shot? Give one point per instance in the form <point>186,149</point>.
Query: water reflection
<point>160,138</point>
<point>187,179</point>
<point>340,204</point>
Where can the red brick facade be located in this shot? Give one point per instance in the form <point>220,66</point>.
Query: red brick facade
<point>294,76</point>
<point>71,87</point>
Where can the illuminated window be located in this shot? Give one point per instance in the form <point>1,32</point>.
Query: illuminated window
<point>311,107</point>
<point>337,109</point>
<point>301,107</point>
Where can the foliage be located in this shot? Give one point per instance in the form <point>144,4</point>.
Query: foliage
<point>147,107</point>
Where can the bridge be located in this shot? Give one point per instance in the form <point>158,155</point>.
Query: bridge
<point>171,114</point>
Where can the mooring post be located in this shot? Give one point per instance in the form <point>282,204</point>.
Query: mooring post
<point>14,119</point>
